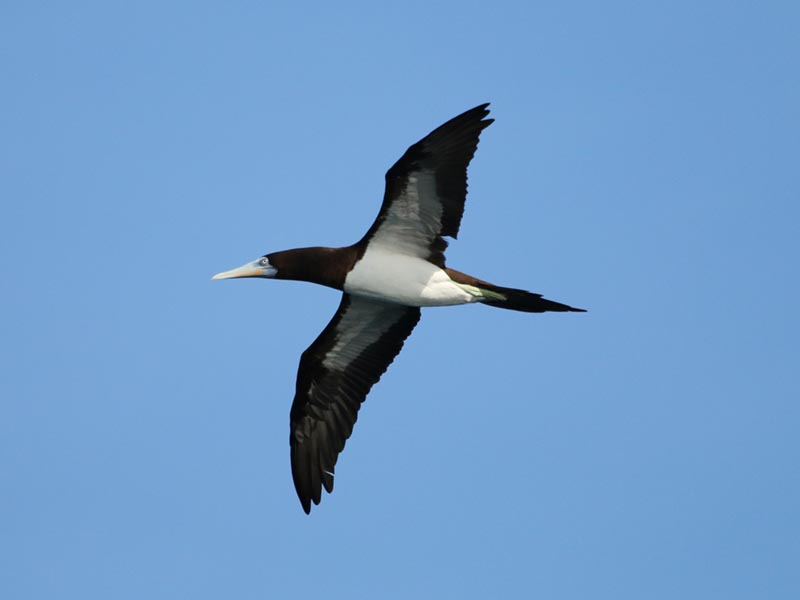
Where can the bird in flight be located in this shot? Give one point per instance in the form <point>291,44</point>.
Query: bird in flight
<point>385,278</point>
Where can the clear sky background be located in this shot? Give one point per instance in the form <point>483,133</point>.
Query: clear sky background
<point>643,165</point>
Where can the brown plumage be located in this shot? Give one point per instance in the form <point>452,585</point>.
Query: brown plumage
<point>423,202</point>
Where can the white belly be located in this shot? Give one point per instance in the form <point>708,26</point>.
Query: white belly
<point>403,280</point>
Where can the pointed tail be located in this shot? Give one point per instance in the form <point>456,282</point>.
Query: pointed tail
<point>508,298</point>
<point>521,300</point>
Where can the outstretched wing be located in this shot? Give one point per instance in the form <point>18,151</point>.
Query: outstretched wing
<point>426,190</point>
<point>335,375</point>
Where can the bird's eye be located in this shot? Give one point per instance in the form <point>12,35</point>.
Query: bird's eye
<point>263,262</point>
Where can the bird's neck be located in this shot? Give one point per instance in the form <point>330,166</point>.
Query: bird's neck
<point>324,266</point>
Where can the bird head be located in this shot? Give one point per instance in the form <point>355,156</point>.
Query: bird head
<point>258,268</point>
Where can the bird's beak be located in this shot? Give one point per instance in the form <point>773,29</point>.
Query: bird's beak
<point>251,269</point>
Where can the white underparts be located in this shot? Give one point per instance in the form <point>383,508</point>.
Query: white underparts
<point>401,279</point>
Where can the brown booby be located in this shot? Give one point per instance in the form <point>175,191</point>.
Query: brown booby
<point>386,277</point>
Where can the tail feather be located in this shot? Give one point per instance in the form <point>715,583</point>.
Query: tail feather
<point>508,298</point>
<point>526,301</point>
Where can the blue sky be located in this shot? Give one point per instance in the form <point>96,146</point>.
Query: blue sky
<point>643,165</point>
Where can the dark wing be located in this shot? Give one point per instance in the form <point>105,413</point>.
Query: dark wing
<point>335,375</point>
<point>426,190</point>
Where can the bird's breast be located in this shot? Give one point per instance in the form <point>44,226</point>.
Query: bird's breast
<point>401,279</point>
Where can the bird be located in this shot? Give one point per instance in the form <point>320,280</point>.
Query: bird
<point>396,269</point>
